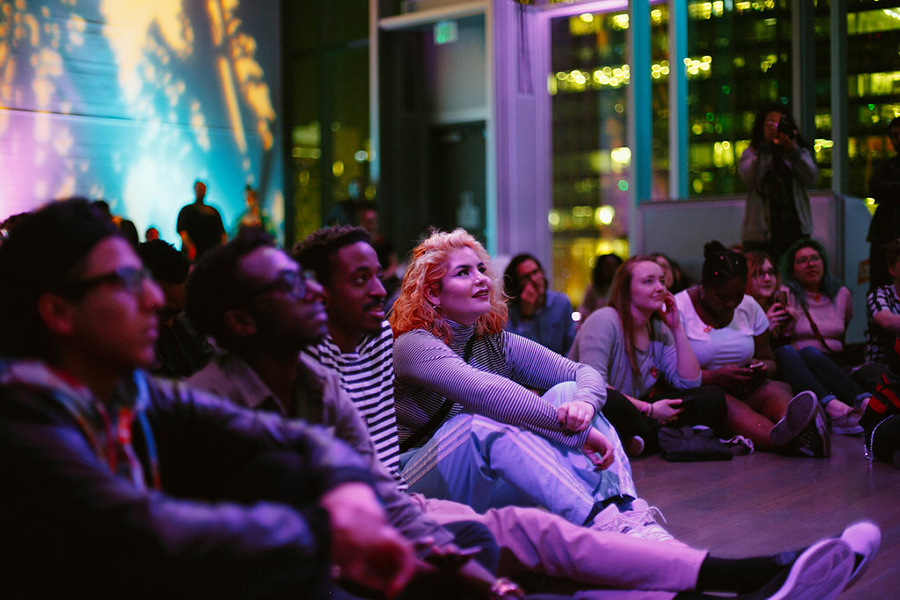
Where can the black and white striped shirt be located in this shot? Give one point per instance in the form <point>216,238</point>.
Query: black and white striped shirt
<point>367,375</point>
<point>496,382</point>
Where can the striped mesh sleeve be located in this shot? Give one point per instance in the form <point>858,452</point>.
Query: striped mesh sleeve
<point>423,362</point>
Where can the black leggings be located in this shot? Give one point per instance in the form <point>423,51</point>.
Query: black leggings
<point>704,405</point>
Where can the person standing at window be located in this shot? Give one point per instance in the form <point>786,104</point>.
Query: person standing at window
<point>777,167</point>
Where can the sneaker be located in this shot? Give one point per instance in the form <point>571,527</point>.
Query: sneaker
<point>864,539</point>
<point>607,519</point>
<point>641,521</point>
<point>820,573</point>
<point>635,446</point>
<point>847,424</point>
<point>800,411</point>
<point>814,440</point>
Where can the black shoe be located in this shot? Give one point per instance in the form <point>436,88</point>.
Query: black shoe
<point>814,440</point>
<point>801,411</point>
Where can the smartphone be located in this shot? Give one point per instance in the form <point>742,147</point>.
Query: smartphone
<point>756,367</point>
<point>780,297</point>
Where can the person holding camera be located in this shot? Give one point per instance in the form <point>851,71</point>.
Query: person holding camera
<point>777,167</point>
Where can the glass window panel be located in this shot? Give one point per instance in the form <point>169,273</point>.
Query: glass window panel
<point>738,61</point>
<point>591,158</point>
<point>326,67</point>
<point>873,65</point>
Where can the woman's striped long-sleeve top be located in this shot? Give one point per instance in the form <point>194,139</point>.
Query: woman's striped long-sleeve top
<point>497,381</point>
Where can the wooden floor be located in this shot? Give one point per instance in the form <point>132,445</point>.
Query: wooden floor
<point>762,503</point>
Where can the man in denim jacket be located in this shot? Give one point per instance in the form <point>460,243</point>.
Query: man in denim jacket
<point>119,485</point>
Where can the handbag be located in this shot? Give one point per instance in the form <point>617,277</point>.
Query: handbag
<point>692,444</point>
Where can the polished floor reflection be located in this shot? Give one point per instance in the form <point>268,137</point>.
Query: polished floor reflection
<point>762,503</point>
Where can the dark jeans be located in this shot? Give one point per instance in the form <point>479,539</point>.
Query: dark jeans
<point>810,369</point>
<point>869,375</point>
<point>878,267</point>
<point>704,405</point>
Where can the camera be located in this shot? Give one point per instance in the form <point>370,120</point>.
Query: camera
<point>784,127</point>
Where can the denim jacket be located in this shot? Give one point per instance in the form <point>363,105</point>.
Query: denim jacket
<point>74,527</point>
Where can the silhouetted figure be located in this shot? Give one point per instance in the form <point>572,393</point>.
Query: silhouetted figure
<point>254,216</point>
<point>601,278</point>
<point>129,231</point>
<point>885,226</point>
<point>199,225</point>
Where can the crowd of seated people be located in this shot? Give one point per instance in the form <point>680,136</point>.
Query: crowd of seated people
<point>331,450</point>
<point>777,348</point>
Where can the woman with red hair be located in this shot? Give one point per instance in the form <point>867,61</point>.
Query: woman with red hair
<point>496,418</point>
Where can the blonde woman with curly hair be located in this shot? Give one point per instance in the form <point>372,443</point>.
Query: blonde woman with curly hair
<point>494,418</point>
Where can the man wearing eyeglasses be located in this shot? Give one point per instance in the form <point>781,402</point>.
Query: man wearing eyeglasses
<point>263,309</point>
<point>118,485</point>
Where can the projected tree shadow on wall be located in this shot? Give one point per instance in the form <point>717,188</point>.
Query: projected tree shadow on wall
<point>133,100</point>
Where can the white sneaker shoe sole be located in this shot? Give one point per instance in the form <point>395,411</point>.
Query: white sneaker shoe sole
<point>820,573</point>
<point>864,539</point>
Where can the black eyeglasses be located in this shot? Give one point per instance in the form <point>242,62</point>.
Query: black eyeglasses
<point>805,260</point>
<point>292,283</point>
<point>130,278</point>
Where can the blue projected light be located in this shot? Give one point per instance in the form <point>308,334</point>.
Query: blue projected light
<point>131,101</point>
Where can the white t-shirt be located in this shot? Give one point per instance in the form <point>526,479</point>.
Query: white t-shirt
<point>730,345</point>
